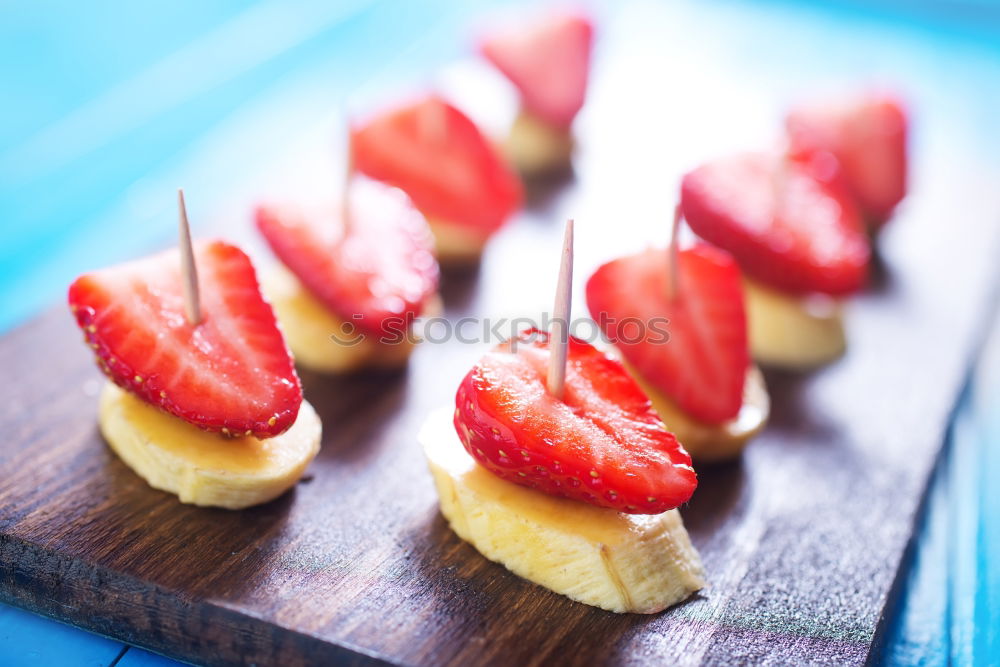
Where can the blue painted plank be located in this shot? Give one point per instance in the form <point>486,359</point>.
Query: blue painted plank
<point>951,609</point>
<point>27,640</point>
<point>963,520</point>
<point>985,409</point>
<point>918,636</point>
<point>56,182</point>
<point>76,50</point>
<point>137,657</point>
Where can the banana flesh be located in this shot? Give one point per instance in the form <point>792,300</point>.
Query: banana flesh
<point>203,468</point>
<point>793,332</point>
<point>710,443</point>
<point>455,245</point>
<point>536,148</point>
<point>597,556</point>
<point>318,339</point>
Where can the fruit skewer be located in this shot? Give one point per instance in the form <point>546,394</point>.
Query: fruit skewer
<point>354,278</point>
<point>691,354</point>
<point>799,240</point>
<point>575,488</point>
<point>866,134</point>
<point>203,399</point>
<point>547,59</point>
<point>454,174</point>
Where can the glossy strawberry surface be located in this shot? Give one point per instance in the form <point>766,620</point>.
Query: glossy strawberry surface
<point>867,134</point>
<point>437,155</point>
<point>601,443</point>
<point>230,373</point>
<point>788,223</point>
<point>548,59</point>
<point>377,273</point>
<point>691,343</point>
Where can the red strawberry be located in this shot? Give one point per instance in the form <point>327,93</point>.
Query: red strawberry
<point>230,373</point>
<point>786,222</point>
<point>434,153</point>
<point>549,61</point>
<point>703,362</point>
<point>867,135</point>
<point>378,276</point>
<point>602,443</point>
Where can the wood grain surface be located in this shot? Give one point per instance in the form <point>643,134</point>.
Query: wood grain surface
<point>802,538</point>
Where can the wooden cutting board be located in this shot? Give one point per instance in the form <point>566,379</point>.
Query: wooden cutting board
<point>803,538</point>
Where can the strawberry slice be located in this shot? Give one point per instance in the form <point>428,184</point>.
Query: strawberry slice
<point>230,373</point>
<point>548,60</point>
<point>379,275</point>
<point>700,358</point>
<point>867,135</point>
<point>786,222</point>
<point>434,153</point>
<point>601,444</point>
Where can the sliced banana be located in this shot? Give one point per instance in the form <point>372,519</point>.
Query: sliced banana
<point>536,148</point>
<point>321,341</point>
<point>203,468</point>
<point>455,245</point>
<point>709,443</point>
<point>793,332</point>
<point>619,562</point>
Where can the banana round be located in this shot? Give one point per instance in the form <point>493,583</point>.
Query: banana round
<point>456,246</point>
<point>796,333</point>
<point>203,468</point>
<point>310,329</point>
<point>536,148</point>
<point>710,443</point>
<point>594,555</point>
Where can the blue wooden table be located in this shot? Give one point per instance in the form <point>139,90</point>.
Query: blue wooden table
<point>107,105</point>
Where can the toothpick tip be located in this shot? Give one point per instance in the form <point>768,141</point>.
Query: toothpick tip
<point>189,270</point>
<point>559,335</point>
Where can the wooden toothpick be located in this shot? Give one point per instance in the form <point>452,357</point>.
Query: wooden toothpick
<point>559,335</point>
<point>189,271</point>
<point>673,251</point>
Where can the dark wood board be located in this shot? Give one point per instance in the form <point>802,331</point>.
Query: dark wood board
<point>802,538</point>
